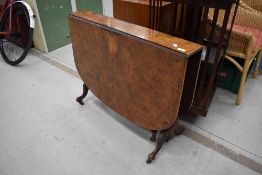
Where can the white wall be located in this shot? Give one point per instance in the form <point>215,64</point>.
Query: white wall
<point>108,8</point>
<point>38,37</point>
<point>73,4</point>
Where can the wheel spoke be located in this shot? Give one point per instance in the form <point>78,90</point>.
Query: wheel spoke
<point>16,44</point>
<point>12,51</point>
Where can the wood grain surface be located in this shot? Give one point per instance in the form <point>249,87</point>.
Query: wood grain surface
<point>135,71</point>
<point>137,12</point>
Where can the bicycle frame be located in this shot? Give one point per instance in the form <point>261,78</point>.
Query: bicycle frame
<point>4,7</point>
<point>9,3</point>
<point>17,24</point>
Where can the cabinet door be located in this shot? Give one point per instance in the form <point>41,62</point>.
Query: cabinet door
<point>53,16</point>
<point>92,5</point>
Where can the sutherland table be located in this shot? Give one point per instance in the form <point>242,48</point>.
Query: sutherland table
<point>146,76</point>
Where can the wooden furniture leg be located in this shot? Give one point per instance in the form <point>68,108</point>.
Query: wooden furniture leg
<point>153,137</point>
<point>178,128</point>
<point>164,136</point>
<point>160,141</point>
<point>242,82</point>
<point>254,75</point>
<point>80,98</point>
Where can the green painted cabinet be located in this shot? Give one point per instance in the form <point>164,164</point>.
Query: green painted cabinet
<point>53,16</point>
<point>93,5</point>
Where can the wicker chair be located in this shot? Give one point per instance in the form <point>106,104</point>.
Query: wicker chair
<point>256,6</point>
<point>253,5</point>
<point>245,43</point>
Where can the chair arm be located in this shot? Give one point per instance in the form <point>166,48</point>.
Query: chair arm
<point>240,44</point>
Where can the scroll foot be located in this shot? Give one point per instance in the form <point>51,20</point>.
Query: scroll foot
<point>164,136</point>
<point>80,98</point>
<point>160,141</point>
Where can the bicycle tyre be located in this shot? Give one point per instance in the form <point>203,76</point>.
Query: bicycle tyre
<point>20,11</point>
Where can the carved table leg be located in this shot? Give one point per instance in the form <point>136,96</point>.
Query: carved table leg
<point>164,136</point>
<point>153,137</point>
<point>160,141</point>
<point>80,98</point>
<point>178,128</point>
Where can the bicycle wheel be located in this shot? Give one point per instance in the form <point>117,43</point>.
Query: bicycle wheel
<point>15,46</point>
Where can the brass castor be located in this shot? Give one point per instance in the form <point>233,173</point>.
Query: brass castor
<point>150,158</point>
